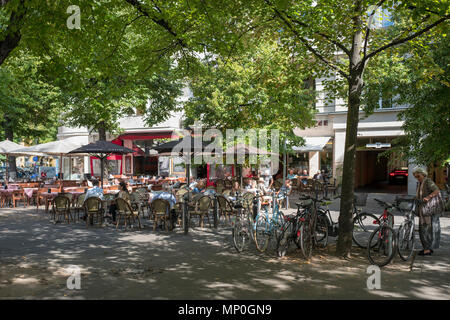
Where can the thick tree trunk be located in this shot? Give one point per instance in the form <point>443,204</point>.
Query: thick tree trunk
<point>9,134</point>
<point>12,32</point>
<point>102,137</point>
<point>355,84</point>
<point>102,131</point>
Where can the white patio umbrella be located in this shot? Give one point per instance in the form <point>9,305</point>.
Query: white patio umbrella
<point>54,148</point>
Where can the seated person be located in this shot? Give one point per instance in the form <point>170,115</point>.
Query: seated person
<point>193,184</point>
<point>236,188</point>
<point>303,177</point>
<point>124,194</point>
<point>95,191</point>
<point>291,175</point>
<point>166,195</point>
<point>318,176</point>
<point>199,187</point>
<point>252,186</point>
<point>262,187</point>
<point>285,188</point>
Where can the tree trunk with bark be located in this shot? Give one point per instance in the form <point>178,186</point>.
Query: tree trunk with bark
<point>12,33</point>
<point>355,85</point>
<point>9,134</point>
<point>102,137</point>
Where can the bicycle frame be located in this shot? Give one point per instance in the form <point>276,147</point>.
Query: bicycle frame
<point>276,213</point>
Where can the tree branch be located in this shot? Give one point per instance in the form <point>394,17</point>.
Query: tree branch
<point>307,45</point>
<point>324,35</point>
<point>399,40</point>
<point>366,38</point>
<point>161,22</point>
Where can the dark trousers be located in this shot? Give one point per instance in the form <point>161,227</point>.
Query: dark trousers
<point>113,211</point>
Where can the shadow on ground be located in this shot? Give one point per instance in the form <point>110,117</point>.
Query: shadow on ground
<point>146,264</point>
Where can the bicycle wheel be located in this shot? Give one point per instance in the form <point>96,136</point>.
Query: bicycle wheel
<point>285,238</point>
<point>262,233</point>
<point>321,231</point>
<point>306,239</point>
<point>406,240</point>
<point>240,233</point>
<point>364,224</point>
<point>382,246</point>
<point>297,232</point>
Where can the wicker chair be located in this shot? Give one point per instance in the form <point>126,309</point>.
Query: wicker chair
<point>317,188</point>
<point>179,204</point>
<point>92,208</point>
<point>220,185</point>
<point>331,186</point>
<point>160,210</point>
<point>295,185</point>
<point>247,200</point>
<point>228,184</point>
<point>139,201</point>
<point>125,210</point>
<point>78,205</point>
<point>277,185</point>
<point>225,207</point>
<point>202,207</point>
<point>61,206</point>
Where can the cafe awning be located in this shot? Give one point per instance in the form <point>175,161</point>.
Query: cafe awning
<point>313,144</point>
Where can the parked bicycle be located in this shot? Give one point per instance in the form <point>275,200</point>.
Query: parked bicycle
<point>313,228</point>
<point>407,230</point>
<point>268,227</point>
<point>382,244</point>
<point>243,225</point>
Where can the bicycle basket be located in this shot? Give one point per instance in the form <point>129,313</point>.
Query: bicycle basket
<point>361,199</point>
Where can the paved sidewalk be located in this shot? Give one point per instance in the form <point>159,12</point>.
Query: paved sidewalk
<point>35,255</point>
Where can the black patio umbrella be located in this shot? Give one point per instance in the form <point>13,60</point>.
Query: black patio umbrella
<point>187,145</point>
<point>101,149</point>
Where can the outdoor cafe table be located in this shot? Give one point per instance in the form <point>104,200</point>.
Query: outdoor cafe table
<point>48,198</point>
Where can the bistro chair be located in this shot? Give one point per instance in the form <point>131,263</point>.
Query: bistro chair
<point>277,185</point>
<point>138,201</point>
<point>331,186</point>
<point>125,210</point>
<point>61,207</point>
<point>92,208</point>
<point>228,184</point>
<point>77,206</point>
<point>247,200</point>
<point>202,207</point>
<point>179,195</point>
<point>295,185</point>
<point>18,195</point>
<point>220,185</point>
<point>225,207</point>
<point>317,188</point>
<point>160,211</point>
<point>309,187</point>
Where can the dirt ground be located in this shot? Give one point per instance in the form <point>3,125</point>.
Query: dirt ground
<point>35,256</point>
